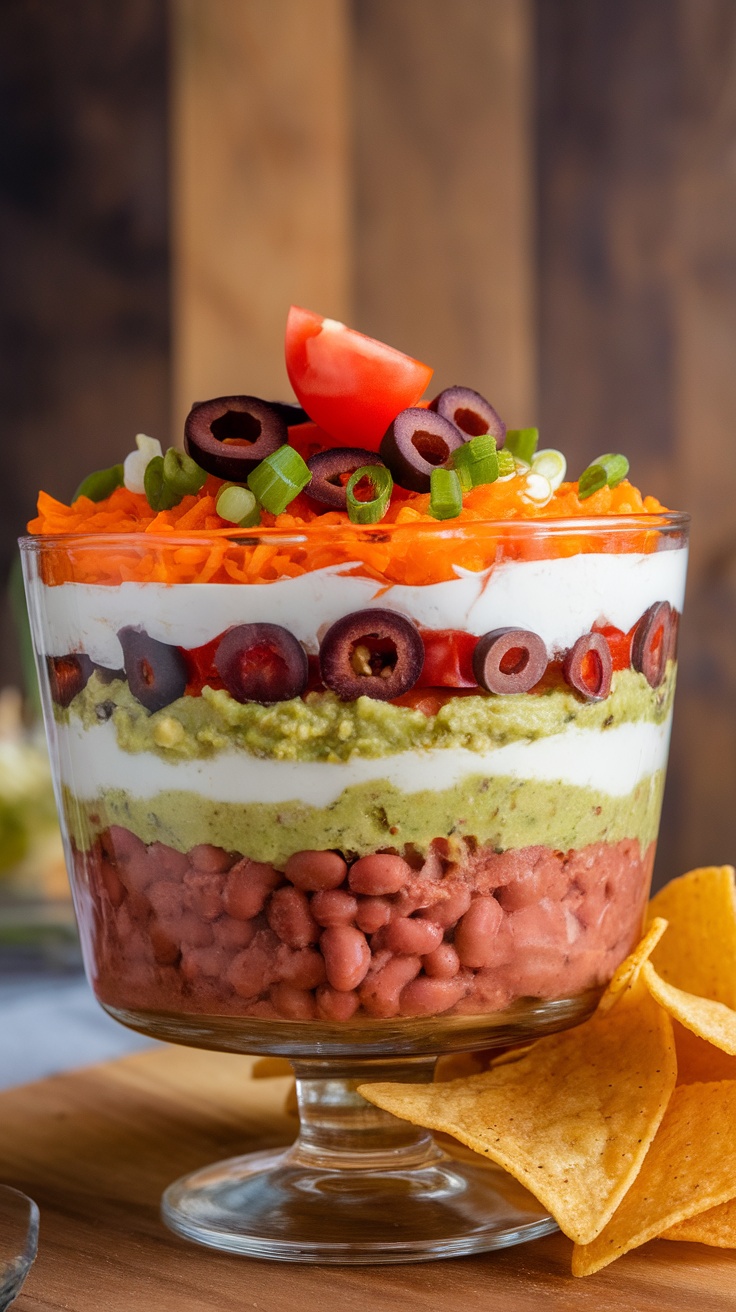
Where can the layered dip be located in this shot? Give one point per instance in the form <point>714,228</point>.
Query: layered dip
<point>359,711</point>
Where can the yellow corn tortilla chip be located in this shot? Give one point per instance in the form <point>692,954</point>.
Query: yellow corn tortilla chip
<point>699,1061</point>
<point>271,1068</point>
<point>716,1227</point>
<point>698,952</point>
<point>710,1020</point>
<point>690,1167</point>
<point>571,1119</point>
<point>628,972</point>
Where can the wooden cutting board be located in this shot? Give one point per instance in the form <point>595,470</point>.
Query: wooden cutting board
<point>96,1148</point>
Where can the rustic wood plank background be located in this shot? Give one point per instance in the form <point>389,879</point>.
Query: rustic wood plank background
<point>540,198</point>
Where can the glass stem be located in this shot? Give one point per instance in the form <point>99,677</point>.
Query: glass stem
<point>339,1130</point>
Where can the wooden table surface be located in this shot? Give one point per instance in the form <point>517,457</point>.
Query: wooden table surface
<point>95,1149</point>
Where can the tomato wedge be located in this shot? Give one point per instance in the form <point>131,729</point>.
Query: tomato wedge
<point>448,659</point>
<point>352,386</point>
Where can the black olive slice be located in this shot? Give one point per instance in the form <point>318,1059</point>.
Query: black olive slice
<point>416,443</point>
<point>290,412</point>
<point>326,468</point>
<point>229,435</point>
<point>68,675</point>
<point>470,412</point>
<point>371,653</point>
<point>156,672</point>
<point>262,663</point>
<point>654,642</point>
<point>588,667</point>
<point>509,660</point>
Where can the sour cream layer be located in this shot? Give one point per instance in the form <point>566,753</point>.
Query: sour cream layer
<point>611,762</point>
<point>559,599</point>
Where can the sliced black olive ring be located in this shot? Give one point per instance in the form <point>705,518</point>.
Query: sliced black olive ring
<point>654,642</point>
<point>588,667</point>
<point>371,653</point>
<point>509,660</point>
<point>262,663</point>
<point>229,435</point>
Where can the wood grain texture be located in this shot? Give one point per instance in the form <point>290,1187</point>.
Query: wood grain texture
<point>444,231</point>
<point>84,302</point>
<point>97,1147</point>
<point>637,219</point>
<point>260,189</point>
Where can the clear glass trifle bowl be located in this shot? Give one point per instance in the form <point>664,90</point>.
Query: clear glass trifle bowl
<point>359,797</point>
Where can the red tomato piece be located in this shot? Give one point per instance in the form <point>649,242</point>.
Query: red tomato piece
<point>448,659</point>
<point>619,644</point>
<point>200,667</point>
<point>349,384</point>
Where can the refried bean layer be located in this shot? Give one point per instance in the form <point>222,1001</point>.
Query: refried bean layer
<point>462,931</point>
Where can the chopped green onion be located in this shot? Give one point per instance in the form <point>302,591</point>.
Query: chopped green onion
<point>182,475</point>
<point>476,461</point>
<point>279,478</point>
<point>605,470</point>
<point>238,505</point>
<point>552,464</point>
<point>537,489</point>
<point>506,464</point>
<point>446,494</point>
<point>158,494</point>
<point>522,443</point>
<point>101,484</point>
<point>369,512</point>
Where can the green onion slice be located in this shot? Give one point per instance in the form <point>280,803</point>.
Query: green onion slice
<point>551,464</point>
<point>158,494</point>
<point>182,475</point>
<point>371,511</point>
<point>506,464</point>
<point>238,506</point>
<point>279,478</point>
<point>101,484</point>
<point>445,495</point>
<point>610,469</point>
<point>476,461</point>
<point>522,443</point>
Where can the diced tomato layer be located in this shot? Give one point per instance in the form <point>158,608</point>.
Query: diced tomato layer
<point>619,644</point>
<point>448,659</point>
<point>201,670</point>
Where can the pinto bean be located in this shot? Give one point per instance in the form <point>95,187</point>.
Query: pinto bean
<point>334,1005</point>
<point>303,967</point>
<point>312,871</point>
<point>251,972</point>
<point>232,934</point>
<point>246,888</point>
<point>164,944</point>
<point>430,997</point>
<point>347,956</point>
<point>111,882</point>
<point>442,963</point>
<point>289,916</point>
<point>203,963</point>
<point>193,932</point>
<point>203,893</point>
<point>373,913</point>
<point>409,936</point>
<point>169,863</point>
<point>293,1003</point>
<point>215,860</point>
<point>333,906</point>
<point>474,936</point>
<point>448,912</point>
<point>380,991</point>
<point>166,899</point>
<point>379,873</point>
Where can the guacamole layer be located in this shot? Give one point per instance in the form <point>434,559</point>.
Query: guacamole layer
<point>499,812</point>
<point>320,727</point>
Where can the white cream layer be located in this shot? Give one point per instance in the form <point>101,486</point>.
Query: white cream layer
<point>559,599</point>
<point>612,761</point>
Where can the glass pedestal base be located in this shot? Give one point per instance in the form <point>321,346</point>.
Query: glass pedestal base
<point>358,1187</point>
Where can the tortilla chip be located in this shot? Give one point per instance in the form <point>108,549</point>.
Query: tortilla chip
<point>271,1068</point>
<point>699,1061</point>
<point>454,1065</point>
<point>628,972</point>
<point>698,952</point>
<point>690,1167</point>
<point>710,1020</point>
<point>571,1119</point>
<point>716,1227</point>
